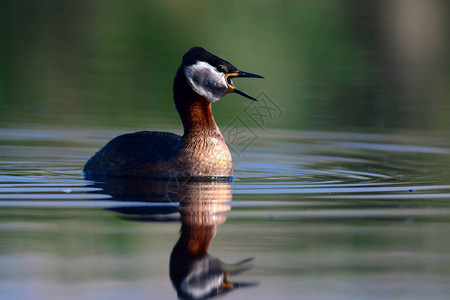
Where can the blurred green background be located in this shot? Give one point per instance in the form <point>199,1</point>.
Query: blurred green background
<point>329,65</point>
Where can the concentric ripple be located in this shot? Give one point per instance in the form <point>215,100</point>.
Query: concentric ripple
<point>42,168</point>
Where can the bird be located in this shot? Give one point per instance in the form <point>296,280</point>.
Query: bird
<point>201,152</point>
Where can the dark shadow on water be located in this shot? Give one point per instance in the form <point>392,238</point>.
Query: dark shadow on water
<point>200,206</point>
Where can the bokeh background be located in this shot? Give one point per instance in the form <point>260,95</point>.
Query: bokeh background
<point>344,65</point>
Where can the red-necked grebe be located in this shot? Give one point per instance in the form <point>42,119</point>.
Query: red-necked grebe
<point>202,79</point>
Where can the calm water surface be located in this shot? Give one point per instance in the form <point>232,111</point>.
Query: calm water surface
<point>324,215</point>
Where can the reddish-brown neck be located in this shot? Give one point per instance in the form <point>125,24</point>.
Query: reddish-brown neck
<point>194,110</point>
<point>197,117</point>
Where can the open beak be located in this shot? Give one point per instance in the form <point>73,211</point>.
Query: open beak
<point>233,89</point>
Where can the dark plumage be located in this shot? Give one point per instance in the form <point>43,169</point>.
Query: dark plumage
<point>125,154</point>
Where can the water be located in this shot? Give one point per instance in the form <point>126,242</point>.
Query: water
<point>324,215</point>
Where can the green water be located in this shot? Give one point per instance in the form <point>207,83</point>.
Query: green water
<point>325,215</point>
<point>342,184</point>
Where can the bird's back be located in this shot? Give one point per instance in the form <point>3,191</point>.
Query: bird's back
<point>132,153</point>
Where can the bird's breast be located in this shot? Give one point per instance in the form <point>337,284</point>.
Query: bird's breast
<point>207,156</point>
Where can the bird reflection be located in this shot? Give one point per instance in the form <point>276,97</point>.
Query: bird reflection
<point>195,274</point>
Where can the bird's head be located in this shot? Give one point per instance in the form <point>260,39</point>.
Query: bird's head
<point>210,76</point>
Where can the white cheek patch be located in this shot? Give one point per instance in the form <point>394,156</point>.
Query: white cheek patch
<point>206,81</point>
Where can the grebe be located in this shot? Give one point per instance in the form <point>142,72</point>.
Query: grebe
<point>201,79</point>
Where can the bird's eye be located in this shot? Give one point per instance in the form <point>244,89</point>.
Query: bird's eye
<point>221,69</point>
